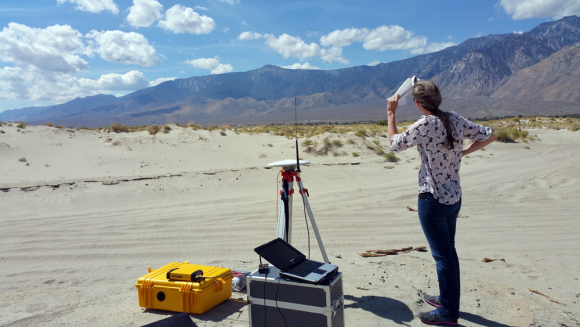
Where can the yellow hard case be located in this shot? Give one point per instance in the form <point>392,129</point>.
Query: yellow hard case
<point>156,291</point>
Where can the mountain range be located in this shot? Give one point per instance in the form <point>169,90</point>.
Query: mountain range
<point>536,72</point>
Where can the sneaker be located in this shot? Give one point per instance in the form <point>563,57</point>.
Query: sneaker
<point>433,300</point>
<point>433,318</point>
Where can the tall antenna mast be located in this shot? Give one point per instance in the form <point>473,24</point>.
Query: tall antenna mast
<point>296,129</point>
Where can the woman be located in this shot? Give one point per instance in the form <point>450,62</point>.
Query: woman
<point>439,137</point>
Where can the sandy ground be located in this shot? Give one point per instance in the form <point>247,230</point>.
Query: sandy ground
<point>89,215</point>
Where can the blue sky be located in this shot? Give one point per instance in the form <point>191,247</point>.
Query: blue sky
<point>52,51</point>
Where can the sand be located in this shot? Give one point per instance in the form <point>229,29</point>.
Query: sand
<point>92,211</point>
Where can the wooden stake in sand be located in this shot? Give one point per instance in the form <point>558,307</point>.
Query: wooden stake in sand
<point>547,297</point>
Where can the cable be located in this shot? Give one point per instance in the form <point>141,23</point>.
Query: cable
<point>276,298</point>
<point>265,307</point>
<point>277,191</point>
<point>307,229</point>
<point>241,301</point>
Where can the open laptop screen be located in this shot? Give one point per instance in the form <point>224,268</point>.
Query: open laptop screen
<point>279,253</point>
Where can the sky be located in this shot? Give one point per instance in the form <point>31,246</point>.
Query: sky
<point>53,51</point>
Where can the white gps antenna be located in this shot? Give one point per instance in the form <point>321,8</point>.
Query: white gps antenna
<point>404,90</point>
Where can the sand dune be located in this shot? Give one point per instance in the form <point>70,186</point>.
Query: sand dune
<point>89,215</point>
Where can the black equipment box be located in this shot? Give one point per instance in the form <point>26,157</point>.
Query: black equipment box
<point>294,303</point>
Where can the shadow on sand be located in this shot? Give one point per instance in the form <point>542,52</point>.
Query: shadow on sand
<point>384,307</point>
<point>475,319</point>
<point>401,314</point>
<point>221,312</point>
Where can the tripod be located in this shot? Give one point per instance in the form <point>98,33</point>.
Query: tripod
<point>289,174</point>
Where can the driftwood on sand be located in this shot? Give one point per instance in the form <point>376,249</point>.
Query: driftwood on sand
<point>382,253</point>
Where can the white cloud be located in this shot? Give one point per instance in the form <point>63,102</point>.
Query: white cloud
<point>292,47</point>
<point>201,8</point>
<point>34,84</point>
<point>13,83</point>
<point>143,13</point>
<point>182,72</point>
<point>211,64</point>
<point>344,38</point>
<point>124,48</point>
<point>312,34</point>
<point>54,48</point>
<point>333,54</point>
<point>231,2</point>
<point>132,80</point>
<point>249,36</point>
<point>374,63</point>
<point>522,9</point>
<point>181,19</point>
<point>394,37</point>
<point>382,38</point>
<point>94,6</point>
<point>244,23</point>
<point>161,80</point>
<point>438,46</point>
<point>305,65</point>
<point>518,32</point>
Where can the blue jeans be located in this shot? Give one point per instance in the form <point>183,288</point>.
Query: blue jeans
<point>439,222</point>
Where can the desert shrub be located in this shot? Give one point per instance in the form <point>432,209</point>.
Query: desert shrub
<point>524,134</point>
<point>572,126</point>
<point>355,154</point>
<point>190,124</point>
<point>379,151</point>
<point>326,141</point>
<point>306,143</point>
<point>336,153</point>
<point>166,128</point>
<point>21,125</point>
<point>59,126</point>
<point>502,135</point>
<point>262,156</point>
<point>336,143</point>
<point>370,147</point>
<point>391,157</point>
<point>222,133</point>
<point>119,128</point>
<point>154,129</point>
<point>2,132</point>
<point>270,145</point>
<point>361,133</point>
<point>350,141</point>
<point>376,142</point>
<point>22,159</point>
<point>515,134</point>
<point>49,124</point>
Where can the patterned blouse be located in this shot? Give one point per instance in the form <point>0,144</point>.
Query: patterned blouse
<point>439,173</point>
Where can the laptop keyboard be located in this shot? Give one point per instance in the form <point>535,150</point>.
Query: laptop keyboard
<point>304,268</point>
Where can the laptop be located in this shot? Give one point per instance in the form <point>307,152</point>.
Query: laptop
<point>293,264</point>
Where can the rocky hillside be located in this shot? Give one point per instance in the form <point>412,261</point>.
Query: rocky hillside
<point>557,78</point>
<point>469,74</point>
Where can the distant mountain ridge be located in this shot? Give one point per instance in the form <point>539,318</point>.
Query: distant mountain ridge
<point>474,69</point>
